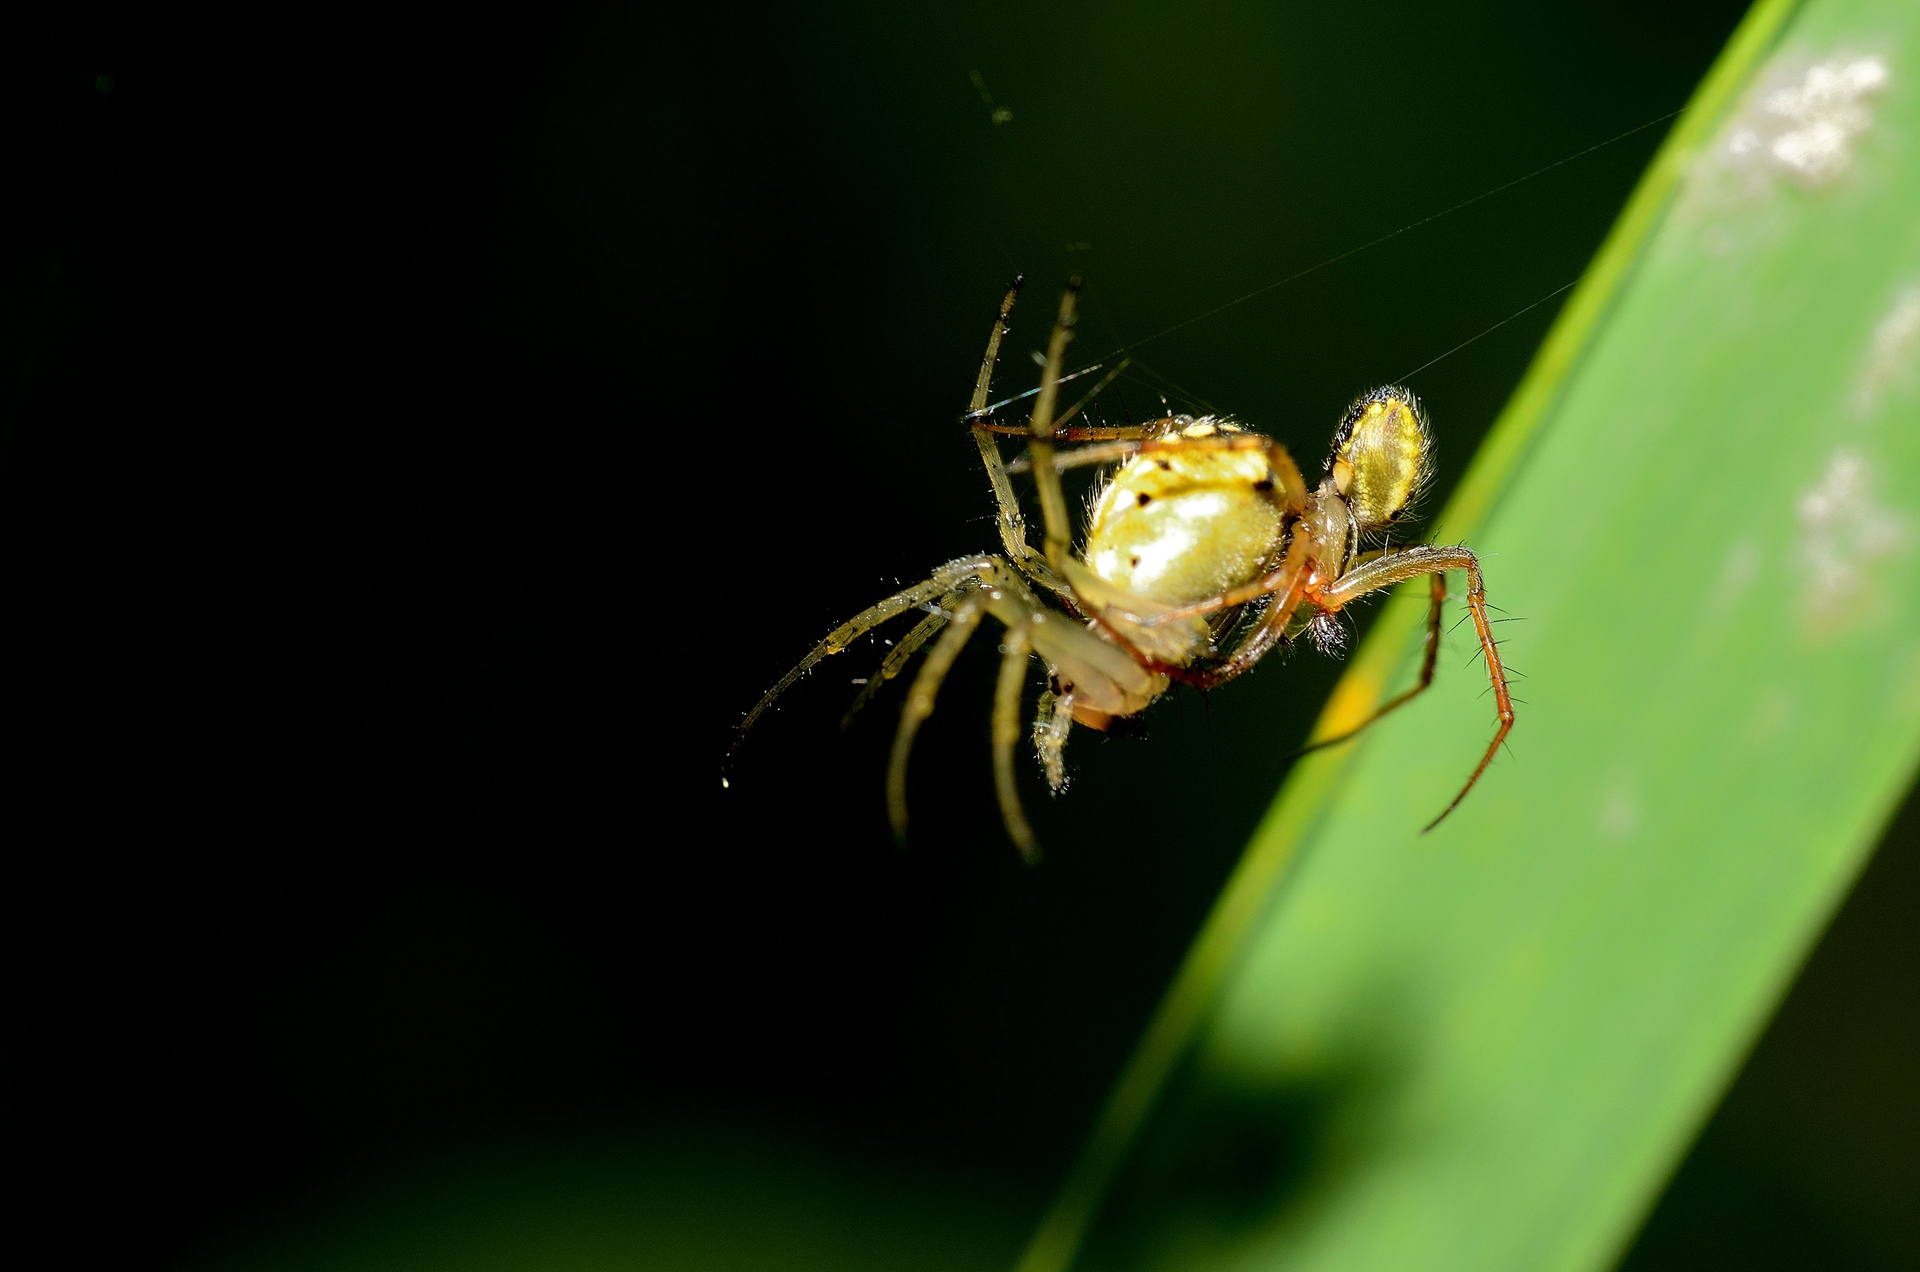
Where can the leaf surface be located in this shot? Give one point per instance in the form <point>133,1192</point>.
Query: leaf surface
<point>1487,1047</point>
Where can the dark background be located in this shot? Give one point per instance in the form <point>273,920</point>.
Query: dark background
<point>427,431</point>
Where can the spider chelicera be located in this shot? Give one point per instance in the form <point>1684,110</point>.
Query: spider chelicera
<point>1203,551</point>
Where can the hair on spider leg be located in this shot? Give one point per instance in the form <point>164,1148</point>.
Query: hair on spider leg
<point>1489,689</point>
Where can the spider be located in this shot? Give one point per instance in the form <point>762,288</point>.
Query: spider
<point>1203,550</point>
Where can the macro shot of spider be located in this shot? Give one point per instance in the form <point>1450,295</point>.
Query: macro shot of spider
<point>1203,551</point>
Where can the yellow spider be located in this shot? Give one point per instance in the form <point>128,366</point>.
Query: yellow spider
<point>1203,551</point>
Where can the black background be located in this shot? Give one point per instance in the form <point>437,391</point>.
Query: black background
<point>428,431</point>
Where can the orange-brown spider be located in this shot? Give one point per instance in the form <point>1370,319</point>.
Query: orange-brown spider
<point>1204,549</point>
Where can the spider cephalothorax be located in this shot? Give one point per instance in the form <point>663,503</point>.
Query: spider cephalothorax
<point>1203,550</point>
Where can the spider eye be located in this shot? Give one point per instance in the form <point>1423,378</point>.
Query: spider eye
<point>1382,446</point>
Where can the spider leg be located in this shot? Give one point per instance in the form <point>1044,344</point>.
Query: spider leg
<point>1288,589</point>
<point>1006,732</point>
<point>1084,433</point>
<point>1050,729</point>
<point>1109,679</point>
<point>920,699</point>
<point>1439,596</point>
<point>839,638</point>
<point>1433,559</point>
<point>1053,501</point>
<point>925,630</point>
<point>1011,521</point>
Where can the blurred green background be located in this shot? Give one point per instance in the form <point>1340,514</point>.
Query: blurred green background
<point>429,430</point>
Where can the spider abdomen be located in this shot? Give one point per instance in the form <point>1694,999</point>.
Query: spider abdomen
<point>1183,527</point>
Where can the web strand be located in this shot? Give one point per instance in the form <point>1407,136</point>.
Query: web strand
<point>1404,377</point>
<point>1393,234</point>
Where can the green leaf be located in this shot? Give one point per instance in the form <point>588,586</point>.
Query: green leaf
<point>1486,1047</point>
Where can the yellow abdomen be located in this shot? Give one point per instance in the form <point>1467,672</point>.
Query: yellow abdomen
<point>1181,527</point>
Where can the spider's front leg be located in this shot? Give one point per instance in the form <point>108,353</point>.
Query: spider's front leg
<point>1412,563</point>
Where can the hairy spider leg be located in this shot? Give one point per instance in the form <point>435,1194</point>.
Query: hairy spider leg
<point>920,700</point>
<point>848,632</point>
<point>1006,734</point>
<point>923,631</point>
<point>1438,598</point>
<point>983,417</point>
<point>1084,432</point>
<point>1053,500</point>
<point>1050,728</point>
<point>1282,577</point>
<point>1060,425</point>
<point>1012,523</point>
<point>1289,589</point>
<point>1412,563</point>
<point>1078,656</point>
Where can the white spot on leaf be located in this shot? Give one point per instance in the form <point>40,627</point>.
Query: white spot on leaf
<point>1892,364</point>
<point>1845,535</point>
<point>1807,128</point>
<point>1800,123</point>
